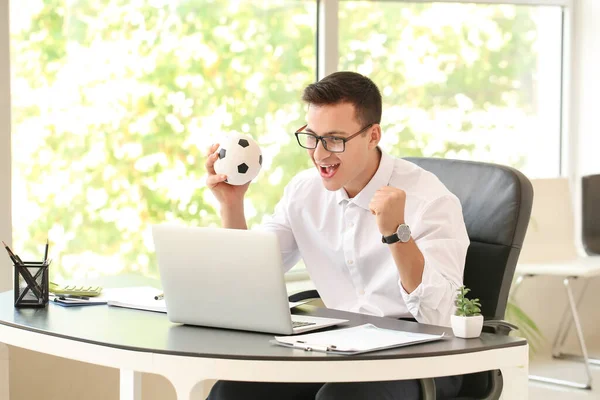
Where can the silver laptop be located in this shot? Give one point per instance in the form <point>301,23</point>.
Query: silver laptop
<point>227,278</point>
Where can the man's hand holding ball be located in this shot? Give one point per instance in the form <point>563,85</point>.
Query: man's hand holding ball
<point>231,165</point>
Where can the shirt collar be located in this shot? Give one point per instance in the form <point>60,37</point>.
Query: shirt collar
<point>381,178</point>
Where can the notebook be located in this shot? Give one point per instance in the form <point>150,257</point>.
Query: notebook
<point>142,298</point>
<point>355,340</point>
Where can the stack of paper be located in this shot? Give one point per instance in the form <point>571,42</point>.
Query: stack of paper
<point>142,298</point>
<point>356,340</point>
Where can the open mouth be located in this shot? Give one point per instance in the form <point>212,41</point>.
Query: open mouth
<point>329,170</point>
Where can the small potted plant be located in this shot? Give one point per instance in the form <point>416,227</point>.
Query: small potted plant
<point>467,321</point>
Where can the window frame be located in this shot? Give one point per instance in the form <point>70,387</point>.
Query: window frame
<point>327,48</point>
<point>328,56</point>
<point>5,145</point>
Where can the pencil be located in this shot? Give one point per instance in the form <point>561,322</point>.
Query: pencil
<point>12,255</point>
<point>46,252</point>
<point>13,259</point>
<point>159,296</point>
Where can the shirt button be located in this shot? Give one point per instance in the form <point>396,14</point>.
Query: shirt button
<point>351,224</point>
<point>362,292</point>
<point>350,262</point>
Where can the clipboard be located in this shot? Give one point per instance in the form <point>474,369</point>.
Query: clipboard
<point>356,340</point>
<point>140,298</point>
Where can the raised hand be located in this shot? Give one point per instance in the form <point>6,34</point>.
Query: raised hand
<point>227,195</point>
<point>388,206</point>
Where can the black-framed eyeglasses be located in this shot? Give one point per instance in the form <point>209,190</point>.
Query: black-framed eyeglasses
<point>333,144</point>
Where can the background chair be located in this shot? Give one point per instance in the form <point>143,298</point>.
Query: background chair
<point>549,250</point>
<point>590,213</point>
<point>496,202</point>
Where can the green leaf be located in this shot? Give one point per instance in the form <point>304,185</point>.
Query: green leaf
<point>527,327</point>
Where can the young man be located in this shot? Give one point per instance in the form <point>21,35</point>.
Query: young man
<point>378,235</point>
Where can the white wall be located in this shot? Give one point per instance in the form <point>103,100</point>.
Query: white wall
<point>588,79</point>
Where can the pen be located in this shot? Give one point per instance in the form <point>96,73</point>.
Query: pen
<point>68,300</point>
<point>72,296</point>
<point>159,296</point>
<point>46,252</point>
<point>309,347</point>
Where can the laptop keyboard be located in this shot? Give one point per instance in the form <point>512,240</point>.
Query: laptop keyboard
<point>298,324</point>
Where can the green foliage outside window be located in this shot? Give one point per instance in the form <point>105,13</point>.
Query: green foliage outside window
<point>115,102</point>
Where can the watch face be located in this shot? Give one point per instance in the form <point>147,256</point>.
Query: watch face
<point>404,233</point>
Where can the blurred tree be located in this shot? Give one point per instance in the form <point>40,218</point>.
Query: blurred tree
<point>115,102</point>
<point>445,70</point>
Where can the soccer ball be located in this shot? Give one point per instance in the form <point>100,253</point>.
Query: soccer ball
<point>240,159</point>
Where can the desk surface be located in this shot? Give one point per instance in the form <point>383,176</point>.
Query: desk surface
<point>152,332</point>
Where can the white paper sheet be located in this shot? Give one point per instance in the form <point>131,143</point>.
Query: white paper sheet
<point>142,298</point>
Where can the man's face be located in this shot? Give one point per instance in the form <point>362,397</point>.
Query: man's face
<point>345,169</point>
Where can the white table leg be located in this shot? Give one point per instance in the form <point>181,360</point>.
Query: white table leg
<point>4,376</point>
<point>130,385</point>
<point>187,391</point>
<point>516,383</point>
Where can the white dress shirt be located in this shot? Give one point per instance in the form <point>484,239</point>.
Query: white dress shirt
<point>340,243</point>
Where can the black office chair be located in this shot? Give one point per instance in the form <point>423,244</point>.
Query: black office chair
<point>590,214</point>
<point>496,202</point>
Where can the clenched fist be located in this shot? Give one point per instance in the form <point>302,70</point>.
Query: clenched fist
<point>388,206</point>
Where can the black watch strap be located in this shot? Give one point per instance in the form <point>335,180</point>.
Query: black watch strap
<point>402,234</point>
<point>390,239</point>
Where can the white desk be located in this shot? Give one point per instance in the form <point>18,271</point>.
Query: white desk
<point>139,341</point>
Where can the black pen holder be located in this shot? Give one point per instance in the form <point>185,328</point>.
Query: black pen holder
<point>31,284</point>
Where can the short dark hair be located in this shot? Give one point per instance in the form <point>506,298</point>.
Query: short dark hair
<point>347,87</point>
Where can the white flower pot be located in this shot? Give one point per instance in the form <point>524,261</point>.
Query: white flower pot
<point>467,327</point>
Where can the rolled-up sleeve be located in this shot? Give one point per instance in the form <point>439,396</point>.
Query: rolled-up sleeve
<point>279,223</point>
<point>441,236</point>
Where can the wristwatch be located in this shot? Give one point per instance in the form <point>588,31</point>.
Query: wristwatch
<point>402,235</point>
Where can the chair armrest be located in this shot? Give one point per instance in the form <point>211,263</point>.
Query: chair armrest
<point>499,327</point>
<point>307,294</point>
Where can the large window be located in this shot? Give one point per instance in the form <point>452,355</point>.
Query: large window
<point>469,81</point>
<point>115,102</point>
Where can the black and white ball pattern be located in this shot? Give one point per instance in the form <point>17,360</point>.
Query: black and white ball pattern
<point>240,158</point>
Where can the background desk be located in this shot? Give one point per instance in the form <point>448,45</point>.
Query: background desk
<point>137,341</point>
